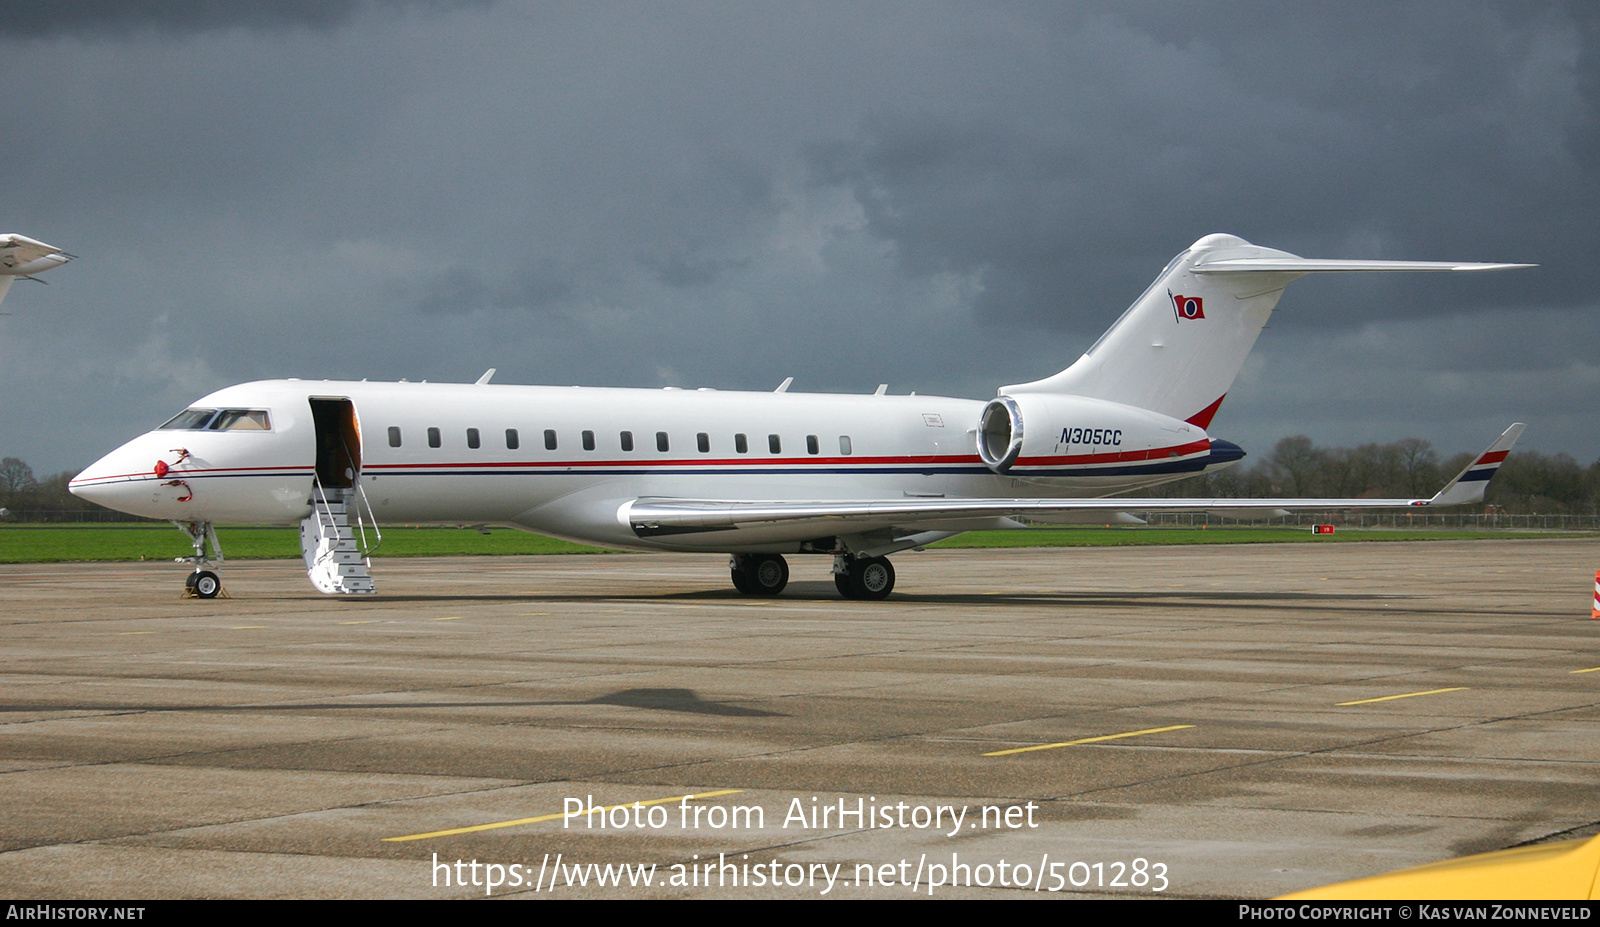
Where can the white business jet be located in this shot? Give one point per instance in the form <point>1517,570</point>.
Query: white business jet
<point>21,256</point>
<point>754,475</point>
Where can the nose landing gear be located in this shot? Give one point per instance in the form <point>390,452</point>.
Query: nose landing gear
<point>203,583</point>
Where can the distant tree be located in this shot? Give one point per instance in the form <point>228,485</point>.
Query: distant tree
<point>1419,466</point>
<point>1528,483</point>
<point>1341,473</point>
<point>1533,482</point>
<point>1293,466</point>
<point>15,476</point>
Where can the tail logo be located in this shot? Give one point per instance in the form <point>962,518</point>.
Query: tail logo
<point>1187,307</point>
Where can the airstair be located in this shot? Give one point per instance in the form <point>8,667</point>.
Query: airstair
<point>334,549</point>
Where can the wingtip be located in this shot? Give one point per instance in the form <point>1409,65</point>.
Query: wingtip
<point>1472,483</point>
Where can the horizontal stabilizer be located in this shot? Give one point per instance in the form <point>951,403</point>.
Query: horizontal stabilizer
<point>1300,265</point>
<point>1177,349</point>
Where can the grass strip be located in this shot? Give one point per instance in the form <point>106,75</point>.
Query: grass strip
<point>60,543</point>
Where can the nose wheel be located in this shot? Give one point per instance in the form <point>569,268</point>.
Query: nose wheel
<point>203,583</point>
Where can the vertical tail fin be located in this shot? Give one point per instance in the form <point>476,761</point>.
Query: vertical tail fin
<point>1177,349</point>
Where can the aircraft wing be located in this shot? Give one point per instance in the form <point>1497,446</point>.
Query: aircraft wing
<point>654,517</point>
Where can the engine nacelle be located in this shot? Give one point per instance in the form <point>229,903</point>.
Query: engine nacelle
<point>1042,435</point>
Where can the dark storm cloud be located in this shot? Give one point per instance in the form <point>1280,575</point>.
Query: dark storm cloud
<point>1422,130</point>
<point>539,285</point>
<point>946,196</point>
<point>122,18</point>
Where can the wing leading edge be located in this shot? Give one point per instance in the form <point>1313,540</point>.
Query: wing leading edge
<point>655,517</point>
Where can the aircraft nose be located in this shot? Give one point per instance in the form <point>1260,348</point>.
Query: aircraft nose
<point>115,481</point>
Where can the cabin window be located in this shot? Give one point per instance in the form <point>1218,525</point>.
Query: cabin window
<point>627,440</point>
<point>549,439</point>
<point>703,441</point>
<point>741,444</point>
<point>433,438</point>
<point>512,440</point>
<point>188,420</point>
<point>588,440</point>
<point>661,441</point>
<point>811,444</point>
<point>774,445</point>
<point>472,438</point>
<point>394,435</point>
<point>241,420</point>
<point>844,444</point>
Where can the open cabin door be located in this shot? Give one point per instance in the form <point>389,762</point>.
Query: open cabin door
<point>336,562</point>
<point>338,443</point>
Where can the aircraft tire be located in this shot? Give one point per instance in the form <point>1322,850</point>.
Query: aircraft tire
<point>841,582</point>
<point>871,578</point>
<point>769,573</point>
<point>205,584</point>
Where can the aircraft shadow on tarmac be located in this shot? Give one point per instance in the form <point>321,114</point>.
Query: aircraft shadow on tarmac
<point>680,700</point>
<point>818,591</point>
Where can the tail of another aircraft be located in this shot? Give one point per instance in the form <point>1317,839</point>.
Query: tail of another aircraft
<point>1177,349</point>
<point>21,256</point>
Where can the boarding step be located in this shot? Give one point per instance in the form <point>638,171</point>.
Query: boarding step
<point>334,561</point>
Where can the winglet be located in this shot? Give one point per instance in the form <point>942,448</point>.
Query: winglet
<point>1470,484</point>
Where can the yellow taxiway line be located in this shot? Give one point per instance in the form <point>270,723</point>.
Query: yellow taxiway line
<point>1390,698</point>
<point>1091,740</point>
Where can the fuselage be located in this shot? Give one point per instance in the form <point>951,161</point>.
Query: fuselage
<point>563,461</point>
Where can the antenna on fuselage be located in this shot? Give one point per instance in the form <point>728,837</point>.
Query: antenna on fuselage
<point>784,386</point>
<point>485,378</point>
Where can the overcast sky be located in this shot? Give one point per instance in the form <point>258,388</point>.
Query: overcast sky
<point>942,196</point>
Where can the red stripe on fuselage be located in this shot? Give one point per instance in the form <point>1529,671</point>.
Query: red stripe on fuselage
<point>927,460</point>
<point>176,473</point>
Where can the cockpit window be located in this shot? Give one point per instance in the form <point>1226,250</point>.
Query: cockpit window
<point>241,420</point>
<point>188,420</point>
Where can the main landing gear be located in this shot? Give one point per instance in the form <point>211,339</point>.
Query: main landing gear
<point>759,574</point>
<point>863,577</point>
<point>203,583</point>
<point>855,577</point>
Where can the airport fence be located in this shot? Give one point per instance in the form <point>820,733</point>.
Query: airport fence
<point>1402,519</point>
<point>70,516</point>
